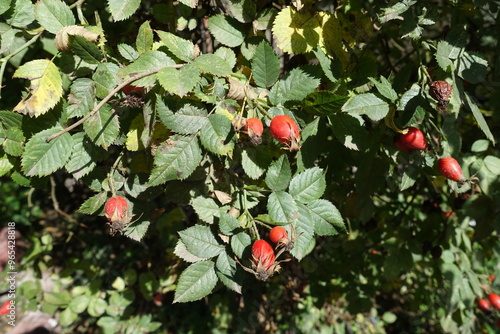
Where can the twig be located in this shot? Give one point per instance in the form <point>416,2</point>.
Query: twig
<point>107,98</point>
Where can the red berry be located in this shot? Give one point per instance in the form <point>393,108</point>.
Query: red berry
<point>491,278</point>
<point>494,300</point>
<point>285,130</point>
<point>262,254</point>
<point>116,208</point>
<point>254,128</point>
<point>255,125</point>
<point>130,89</point>
<point>6,307</point>
<point>412,140</point>
<point>483,304</point>
<point>450,169</point>
<point>278,234</point>
<point>447,214</point>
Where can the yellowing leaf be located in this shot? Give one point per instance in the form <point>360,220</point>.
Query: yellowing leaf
<point>297,32</point>
<point>45,89</point>
<point>134,142</point>
<point>331,39</point>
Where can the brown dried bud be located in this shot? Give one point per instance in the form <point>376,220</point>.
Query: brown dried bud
<point>61,41</point>
<point>441,90</point>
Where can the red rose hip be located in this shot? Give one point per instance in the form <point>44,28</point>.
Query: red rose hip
<point>116,209</point>
<point>278,234</point>
<point>450,169</point>
<point>285,130</point>
<point>255,125</point>
<point>412,140</point>
<point>494,300</point>
<point>254,129</point>
<point>262,254</point>
<point>483,304</point>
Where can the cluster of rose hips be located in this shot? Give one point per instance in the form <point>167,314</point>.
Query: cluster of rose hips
<point>283,128</point>
<point>491,304</point>
<point>412,139</point>
<point>264,264</point>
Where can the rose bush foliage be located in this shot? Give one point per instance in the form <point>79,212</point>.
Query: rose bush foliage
<point>149,101</point>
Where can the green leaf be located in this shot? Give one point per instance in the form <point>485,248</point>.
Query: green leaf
<point>81,98</point>
<point>409,178</point>
<point>255,160</point>
<point>451,48</point>
<point>327,218</point>
<point>53,15</point>
<point>9,119</point>
<point>94,204</point>
<point>144,40</point>
<point>242,10</point>
<point>226,54</point>
<point>4,6</point>
<point>182,252</point>
<point>200,241</point>
<point>189,3</point>
<point>324,103</point>
<point>128,52</point>
<point>106,79</point>
<point>472,67</point>
<point>226,30</point>
<point>304,227</point>
<point>189,117</point>
<point>227,223</point>
<point>23,14</point>
<point>480,145</point>
<point>46,87</point>
<point>85,49</point>
<point>79,304</point>
<point>367,104</point>
<point>212,64</point>
<point>123,9</point>
<point>181,48</point>
<point>394,12</point>
<point>226,270</point>
<point>385,89</point>
<point>179,81</point>
<point>443,53</point>
<point>239,242</point>
<point>308,186</point>
<point>103,127</point>
<point>265,66</point>
<point>206,209</point>
<point>215,135</point>
<point>282,208</point>
<point>84,157</point>
<point>279,174</point>
<point>14,141</point>
<point>195,282</point>
<point>57,298</point>
<point>149,60</point>
<point>42,158</point>
<point>483,125</point>
<point>175,159</point>
<point>328,67</point>
<point>6,166</point>
<point>137,230</point>
<point>295,86</point>
<point>349,130</point>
